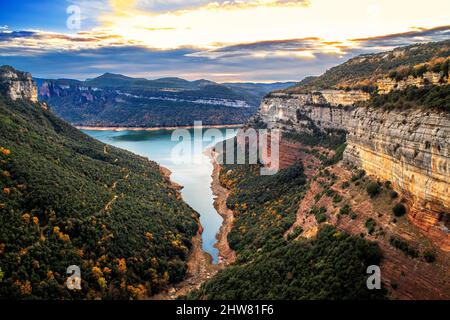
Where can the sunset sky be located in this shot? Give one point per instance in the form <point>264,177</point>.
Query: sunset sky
<point>256,40</point>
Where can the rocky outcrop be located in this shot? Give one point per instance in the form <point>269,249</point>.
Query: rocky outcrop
<point>17,85</point>
<point>328,109</point>
<point>408,148</point>
<point>386,85</point>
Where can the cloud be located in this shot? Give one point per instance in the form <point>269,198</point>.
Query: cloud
<point>256,40</point>
<point>391,41</point>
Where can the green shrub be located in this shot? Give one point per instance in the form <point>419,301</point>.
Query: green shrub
<point>337,198</point>
<point>295,233</point>
<point>403,246</point>
<point>393,194</point>
<point>345,210</point>
<point>373,189</point>
<point>358,175</point>
<point>319,214</point>
<point>399,210</point>
<point>370,225</point>
<point>345,185</point>
<point>429,256</point>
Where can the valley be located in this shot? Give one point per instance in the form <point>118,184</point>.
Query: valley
<point>363,181</point>
<point>115,101</point>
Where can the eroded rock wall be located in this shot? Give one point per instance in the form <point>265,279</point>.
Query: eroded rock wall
<point>410,148</point>
<point>17,85</point>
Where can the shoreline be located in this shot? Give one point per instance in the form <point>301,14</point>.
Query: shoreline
<point>200,267</point>
<point>199,263</point>
<point>226,254</point>
<point>213,126</point>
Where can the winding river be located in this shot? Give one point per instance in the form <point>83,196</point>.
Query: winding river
<point>190,167</point>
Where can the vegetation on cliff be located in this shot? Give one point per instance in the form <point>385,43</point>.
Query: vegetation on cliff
<point>330,266</point>
<point>434,97</point>
<point>362,72</point>
<point>67,199</point>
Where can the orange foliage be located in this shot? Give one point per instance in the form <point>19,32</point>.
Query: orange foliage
<point>122,265</point>
<point>137,292</point>
<point>50,275</point>
<point>5,151</point>
<point>24,287</point>
<point>149,236</point>
<point>97,272</point>
<point>61,235</point>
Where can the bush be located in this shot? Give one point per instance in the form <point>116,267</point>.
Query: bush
<point>295,233</point>
<point>399,210</point>
<point>394,194</point>
<point>358,175</point>
<point>370,225</point>
<point>337,198</point>
<point>319,214</point>
<point>403,246</point>
<point>345,210</point>
<point>345,185</point>
<point>373,189</point>
<point>429,256</point>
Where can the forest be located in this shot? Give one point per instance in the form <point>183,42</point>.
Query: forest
<point>329,266</point>
<point>431,97</point>
<point>67,199</point>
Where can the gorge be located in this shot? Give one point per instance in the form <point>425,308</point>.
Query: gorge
<point>364,181</point>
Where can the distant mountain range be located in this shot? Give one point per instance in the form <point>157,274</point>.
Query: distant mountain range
<point>115,100</point>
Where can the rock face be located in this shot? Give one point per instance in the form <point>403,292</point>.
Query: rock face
<point>328,109</point>
<point>387,84</point>
<point>17,85</point>
<point>408,148</point>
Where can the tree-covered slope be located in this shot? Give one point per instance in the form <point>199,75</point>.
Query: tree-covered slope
<point>67,199</point>
<point>331,265</point>
<point>114,100</point>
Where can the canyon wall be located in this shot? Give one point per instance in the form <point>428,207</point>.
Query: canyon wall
<point>386,85</point>
<point>409,148</point>
<point>17,85</point>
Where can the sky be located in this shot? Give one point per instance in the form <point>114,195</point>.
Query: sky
<point>223,41</point>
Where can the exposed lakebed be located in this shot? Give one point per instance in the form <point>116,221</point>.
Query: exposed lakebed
<point>190,167</point>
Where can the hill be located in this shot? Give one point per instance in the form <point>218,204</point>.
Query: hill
<point>363,71</point>
<point>67,199</point>
<point>114,100</point>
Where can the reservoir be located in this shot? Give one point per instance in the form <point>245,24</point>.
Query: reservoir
<point>190,167</point>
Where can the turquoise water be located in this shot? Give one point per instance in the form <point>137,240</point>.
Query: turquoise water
<point>190,167</point>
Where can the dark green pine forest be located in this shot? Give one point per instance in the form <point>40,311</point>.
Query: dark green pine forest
<point>67,199</point>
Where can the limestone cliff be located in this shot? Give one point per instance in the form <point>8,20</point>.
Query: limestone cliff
<point>17,85</point>
<point>387,84</point>
<point>407,147</point>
